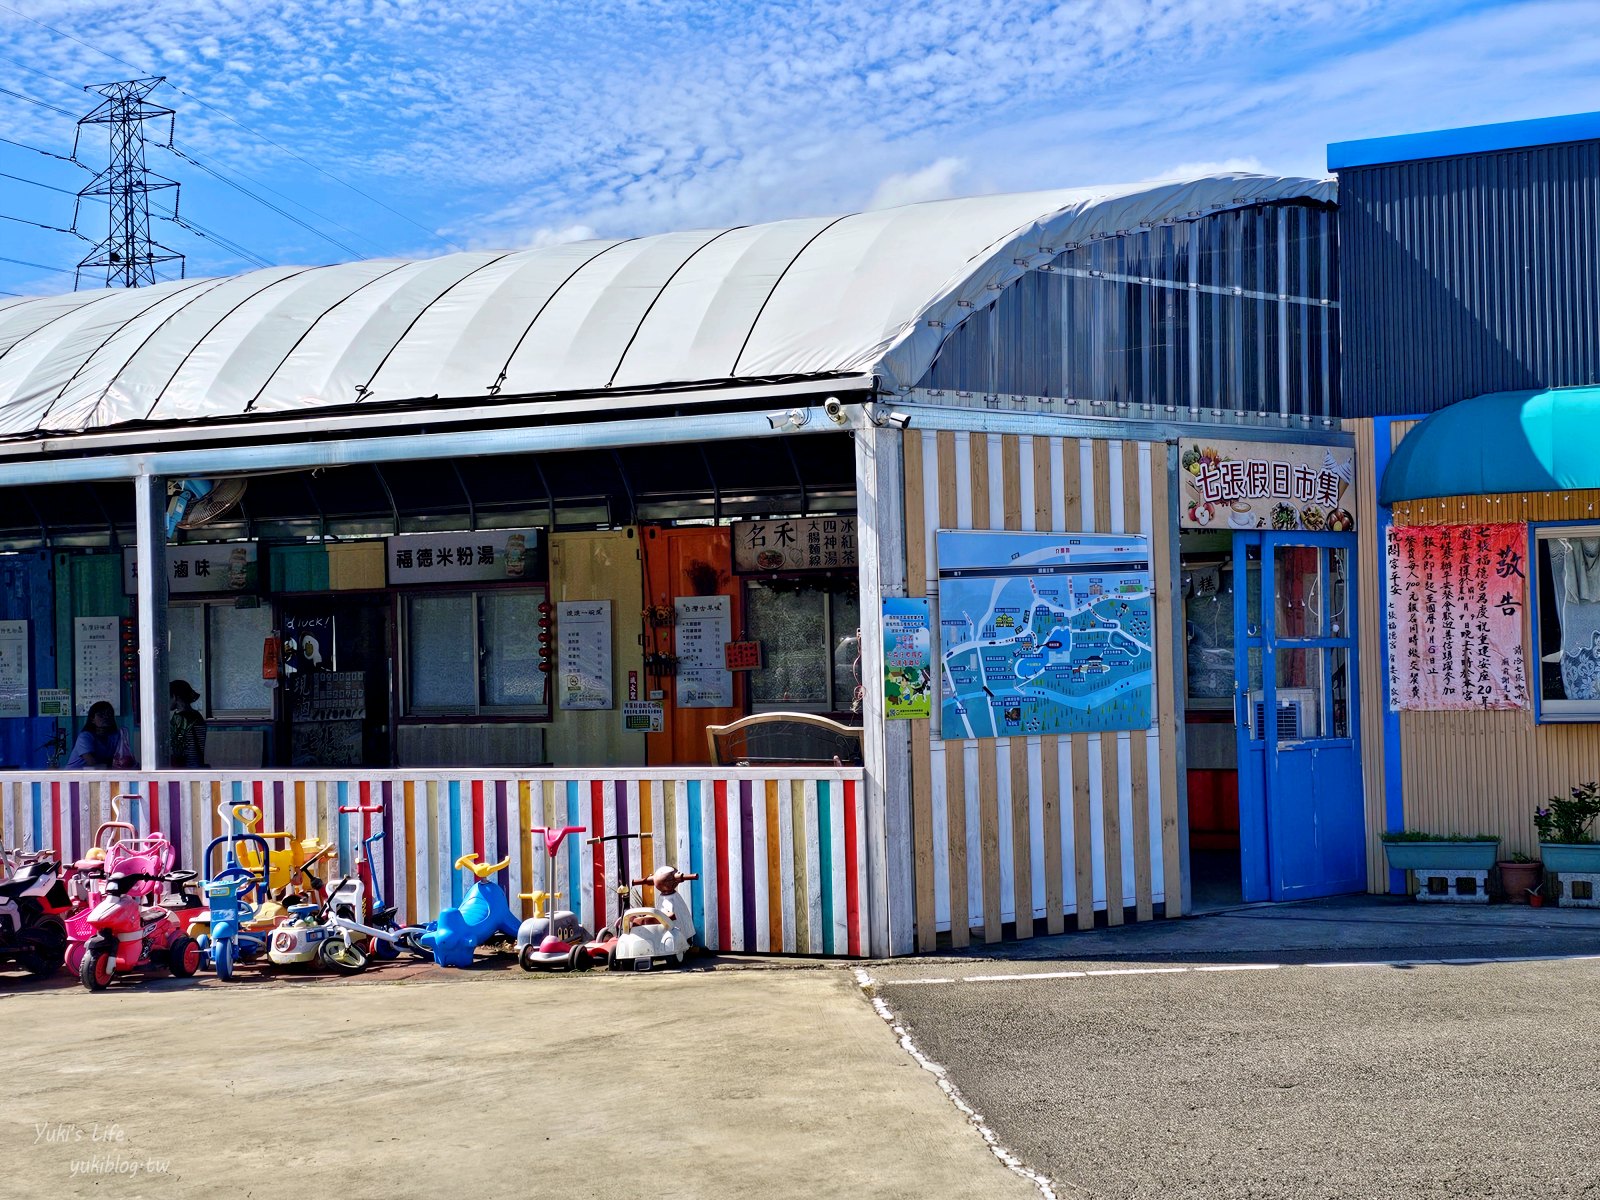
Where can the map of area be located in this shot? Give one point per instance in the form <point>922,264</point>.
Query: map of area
<point>1044,633</point>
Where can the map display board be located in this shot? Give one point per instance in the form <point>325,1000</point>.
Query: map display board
<point>1044,633</point>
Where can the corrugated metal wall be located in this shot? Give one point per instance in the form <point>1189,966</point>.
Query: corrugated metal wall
<point>1463,772</point>
<point>1042,826</point>
<point>1467,275</point>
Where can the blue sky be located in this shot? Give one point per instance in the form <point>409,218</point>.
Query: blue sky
<point>495,123</point>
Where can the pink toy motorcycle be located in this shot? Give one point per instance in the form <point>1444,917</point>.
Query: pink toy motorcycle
<point>129,935</point>
<point>151,856</point>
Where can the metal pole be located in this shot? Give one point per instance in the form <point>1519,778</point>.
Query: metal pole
<point>150,542</point>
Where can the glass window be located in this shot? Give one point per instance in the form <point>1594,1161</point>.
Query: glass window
<point>470,653</point>
<point>186,644</point>
<point>1568,633</point>
<point>810,645</point>
<point>1300,694</point>
<point>1296,591</point>
<point>235,639</point>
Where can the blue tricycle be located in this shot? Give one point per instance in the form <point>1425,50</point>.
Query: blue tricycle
<point>225,939</point>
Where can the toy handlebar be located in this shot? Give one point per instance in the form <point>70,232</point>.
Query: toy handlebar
<point>620,837</point>
<point>481,870</point>
<point>684,876</point>
<point>360,808</point>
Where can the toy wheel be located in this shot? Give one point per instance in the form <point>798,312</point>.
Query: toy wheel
<point>347,960</point>
<point>677,960</point>
<point>183,957</point>
<point>613,963</point>
<point>384,950</point>
<point>578,959</point>
<point>527,960</point>
<point>96,970</point>
<point>222,959</point>
<point>409,942</point>
<point>46,939</point>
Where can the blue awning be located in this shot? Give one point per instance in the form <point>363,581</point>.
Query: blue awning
<point>1500,442</point>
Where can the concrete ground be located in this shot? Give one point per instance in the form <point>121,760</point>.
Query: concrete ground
<point>708,1083</point>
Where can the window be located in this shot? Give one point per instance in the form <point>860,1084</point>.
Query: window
<point>475,654</point>
<point>1567,630</point>
<point>809,649</point>
<point>216,648</point>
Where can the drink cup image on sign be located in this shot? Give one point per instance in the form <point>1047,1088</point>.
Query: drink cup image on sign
<point>516,555</point>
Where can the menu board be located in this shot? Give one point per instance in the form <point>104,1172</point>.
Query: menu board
<point>1456,599</point>
<point>13,668</point>
<point>94,673</point>
<point>704,628</point>
<point>583,635</point>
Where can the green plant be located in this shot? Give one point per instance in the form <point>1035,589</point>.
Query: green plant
<point>1520,857</point>
<point>1566,819</point>
<point>1416,835</point>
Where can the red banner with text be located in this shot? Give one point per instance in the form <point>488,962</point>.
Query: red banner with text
<point>1456,599</point>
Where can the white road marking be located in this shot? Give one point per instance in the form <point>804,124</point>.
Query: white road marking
<point>1218,968</point>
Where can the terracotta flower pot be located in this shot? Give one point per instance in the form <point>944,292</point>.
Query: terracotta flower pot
<point>1516,878</point>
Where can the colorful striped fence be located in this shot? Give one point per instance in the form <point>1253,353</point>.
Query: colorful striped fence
<point>781,854</point>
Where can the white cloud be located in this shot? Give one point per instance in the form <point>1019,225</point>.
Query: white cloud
<point>1250,165</point>
<point>936,181</point>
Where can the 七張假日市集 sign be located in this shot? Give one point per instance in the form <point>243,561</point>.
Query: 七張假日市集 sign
<point>1265,485</point>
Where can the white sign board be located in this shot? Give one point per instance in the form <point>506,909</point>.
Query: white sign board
<point>13,668</point>
<point>642,716</point>
<point>482,557</point>
<point>54,702</point>
<point>704,627</point>
<point>199,568</point>
<point>94,672</point>
<point>583,654</point>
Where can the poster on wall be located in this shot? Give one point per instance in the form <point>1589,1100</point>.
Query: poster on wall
<point>199,568</point>
<point>484,556</point>
<point>583,637</point>
<point>643,716</point>
<point>704,627</point>
<point>907,659</point>
<point>94,670</point>
<point>1265,485</point>
<point>309,643</point>
<point>54,702</point>
<point>14,677</point>
<point>1456,599</point>
<point>1044,633</point>
<point>794,544</point>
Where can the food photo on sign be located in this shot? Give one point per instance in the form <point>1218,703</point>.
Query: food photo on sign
<point>1265,486</point>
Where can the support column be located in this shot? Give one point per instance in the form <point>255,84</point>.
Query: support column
<point>150,507</point>
<point>880,541</point>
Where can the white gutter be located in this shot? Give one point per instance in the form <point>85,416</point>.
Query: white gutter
<point>379,417</point>
<point>220,460</point>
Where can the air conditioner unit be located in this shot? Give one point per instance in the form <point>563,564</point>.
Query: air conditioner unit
<point>1297,708</point>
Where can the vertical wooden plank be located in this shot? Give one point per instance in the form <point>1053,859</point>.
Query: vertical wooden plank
<point>1049,747</point>
<point>1082,834</point>
<point>1021,808</point>
<point>915,508</point>
<point>1110,805</point>
<point>955,783</point>
<point>988,790</point>
<point>1133,520</point>
<point>1169,676</point>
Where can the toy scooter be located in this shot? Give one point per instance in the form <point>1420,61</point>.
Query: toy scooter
<point>341,947</point>
<point>33,901</point>
<point>130,936</point>
<point>555,942</point>
<point>663,931</point>
<point>484,913</point>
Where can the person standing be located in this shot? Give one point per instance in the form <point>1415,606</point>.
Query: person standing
<point>186,733</point>
<point>101,745</point>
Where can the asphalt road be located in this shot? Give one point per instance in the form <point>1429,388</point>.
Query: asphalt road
<point>1299,1081</point>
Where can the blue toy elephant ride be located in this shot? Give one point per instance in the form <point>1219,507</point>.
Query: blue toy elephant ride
<point>484,913</point>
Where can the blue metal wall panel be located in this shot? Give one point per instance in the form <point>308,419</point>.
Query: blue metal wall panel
<point>1467,275</point>
<point>26,593</point>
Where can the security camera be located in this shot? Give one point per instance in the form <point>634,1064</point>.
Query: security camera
<point>898,419</point>
<point>835,411</point>
<point>793,418</point>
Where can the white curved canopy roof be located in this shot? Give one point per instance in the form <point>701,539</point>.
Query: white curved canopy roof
<point>869,294</point>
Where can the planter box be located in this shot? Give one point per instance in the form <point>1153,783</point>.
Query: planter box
<point>1582,858</point>
<point>1442,856</point>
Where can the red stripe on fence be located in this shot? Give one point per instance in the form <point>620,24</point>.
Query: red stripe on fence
<point>852,883</point>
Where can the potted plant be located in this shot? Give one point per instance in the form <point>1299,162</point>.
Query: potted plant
<point>1519,875</point>
<point>1413,850</point>
<point>1565,842</point>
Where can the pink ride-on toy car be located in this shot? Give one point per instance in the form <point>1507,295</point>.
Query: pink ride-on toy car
<point>131,936</point>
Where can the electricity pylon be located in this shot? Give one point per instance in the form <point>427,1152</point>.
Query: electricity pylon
<point>128,255</point>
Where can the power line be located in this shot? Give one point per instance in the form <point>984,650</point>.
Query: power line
<point>212,235</point>
<point>42,104</point>
<point>37,266</point>
<point>226,116</point>
<point>46,153</point>
<point>36,225</point>
<point>289,216</point>
<point>37,184</point>
<point>71,87</point>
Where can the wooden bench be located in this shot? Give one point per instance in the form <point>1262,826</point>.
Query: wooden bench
<point>784,739</point>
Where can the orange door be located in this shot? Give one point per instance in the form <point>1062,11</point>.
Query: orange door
<point>694,561</point>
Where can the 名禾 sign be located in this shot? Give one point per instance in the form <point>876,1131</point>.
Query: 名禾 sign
<point>703,628</point>
<point>794,544</point>
<point>1456,599</point>
<point>197,568</point>
<point>482,556</point>
<point>907,659</point>
<point>1044,633</point>
<point>1265,485</point>
<point>583,634</point>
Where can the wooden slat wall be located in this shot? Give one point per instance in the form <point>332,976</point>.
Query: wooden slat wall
<point>1019,827</point>
<point>1484,772</point>
<point>1369,579</point>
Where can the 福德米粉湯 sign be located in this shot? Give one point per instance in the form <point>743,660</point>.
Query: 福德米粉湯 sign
<point>1266,486</point>
<point>485,555</point>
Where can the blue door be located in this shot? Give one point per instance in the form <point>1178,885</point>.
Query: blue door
<point>1302,824</point>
